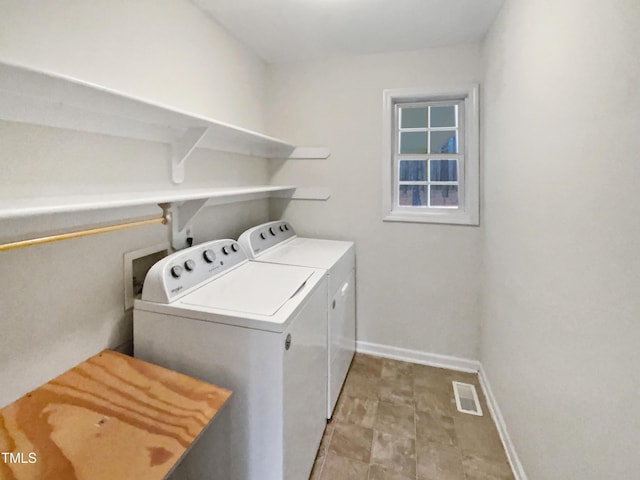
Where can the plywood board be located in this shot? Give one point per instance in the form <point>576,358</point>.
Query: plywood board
<point>110,417</point>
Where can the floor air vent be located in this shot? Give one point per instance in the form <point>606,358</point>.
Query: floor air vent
<point>466,398</point>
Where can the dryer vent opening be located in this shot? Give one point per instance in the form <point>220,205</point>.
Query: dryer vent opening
<point>467,398</point>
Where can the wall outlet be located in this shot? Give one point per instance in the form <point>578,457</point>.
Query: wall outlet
<point>136,266</point>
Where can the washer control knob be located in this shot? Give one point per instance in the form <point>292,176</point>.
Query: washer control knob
<point>189,265</point>
<point>176,271</point>
<point>272,231</point>
<point>234,247</point>
<point>286,227</point>
<point>225,250</point>
<point>209,255</point>
<point>282,228</point>
<point>263,236</point>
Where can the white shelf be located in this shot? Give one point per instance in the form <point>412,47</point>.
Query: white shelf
<point>44,98</point>
<point>25,207</point>
<point>48,99</point>
<point>180,205</point>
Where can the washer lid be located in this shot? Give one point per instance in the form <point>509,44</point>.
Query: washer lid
<point>255,288</point>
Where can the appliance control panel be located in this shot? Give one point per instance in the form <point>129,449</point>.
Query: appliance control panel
<point>261,238</point>
<point>180,272</point>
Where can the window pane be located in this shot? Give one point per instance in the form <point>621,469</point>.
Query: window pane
<point>443,142</point>
<point>413,195</point>
<point>413,170</point>
<point>443,170</point>
<point>443,195</point>
<point>413,142</point>
<point>443,116</point>
<point>413,117</point>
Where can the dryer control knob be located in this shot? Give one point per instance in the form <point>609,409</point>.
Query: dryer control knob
<point>176,271</point>
<point>190,265</point>
<point>282,228</point>
<point>286,227</point>
<point>225,250</point>
<point>263,236</point>
<point>209,255</point>
<point>272,231</point>
<point>234,247</point>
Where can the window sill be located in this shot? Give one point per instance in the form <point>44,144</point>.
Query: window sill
<point>439,218</point>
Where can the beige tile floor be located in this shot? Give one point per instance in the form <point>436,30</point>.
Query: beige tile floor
<point>398,421</point>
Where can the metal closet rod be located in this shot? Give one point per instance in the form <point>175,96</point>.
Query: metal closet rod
<point>83,233</point>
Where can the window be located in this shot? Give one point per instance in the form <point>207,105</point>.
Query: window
<point>431,156</point>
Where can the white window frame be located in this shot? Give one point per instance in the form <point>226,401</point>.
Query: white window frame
<point>468,210</point>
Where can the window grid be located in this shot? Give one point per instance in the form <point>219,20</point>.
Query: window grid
<point>428,157</point>
<point>428,128</point>
<point>428,183</point>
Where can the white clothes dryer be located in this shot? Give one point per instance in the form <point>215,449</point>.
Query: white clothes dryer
<point>277,243</point>
<point>257,329</point>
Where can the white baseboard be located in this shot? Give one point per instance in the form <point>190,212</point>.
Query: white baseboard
<point>416,356</point>
<point>462,365</point>
<point>498,419</point>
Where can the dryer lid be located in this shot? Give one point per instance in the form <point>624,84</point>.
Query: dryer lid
<point>254,288</point>
<point>309,252</point>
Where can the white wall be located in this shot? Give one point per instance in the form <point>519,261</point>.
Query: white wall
<point>562,223</point>
<point>165,50</point>
<point>417,284</point>
<point>63,302</point>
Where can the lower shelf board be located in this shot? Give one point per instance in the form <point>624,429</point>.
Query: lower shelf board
<point>305,193</point>
<point>38,205</point>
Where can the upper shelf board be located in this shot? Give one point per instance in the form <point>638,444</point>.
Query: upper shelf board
<point>43,98</point>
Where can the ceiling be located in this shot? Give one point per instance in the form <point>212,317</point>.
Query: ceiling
<point>291,30</point>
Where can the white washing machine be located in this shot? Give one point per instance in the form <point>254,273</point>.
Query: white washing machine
<point>257,329</point>
<point>277,243</point>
